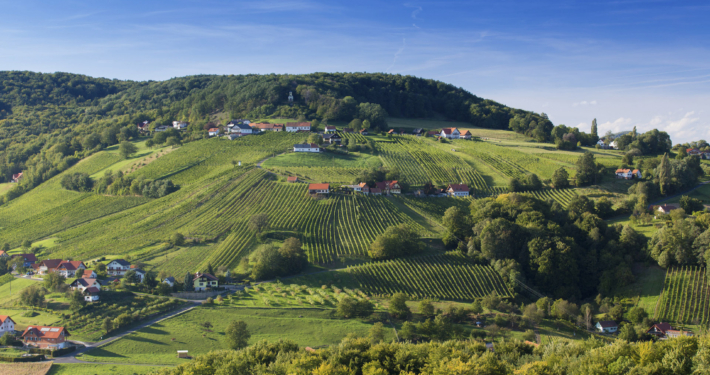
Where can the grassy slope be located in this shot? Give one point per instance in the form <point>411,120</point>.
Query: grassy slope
<point>155,345</point>
<point>143,155</point>
<point>647,288</point>
<point>355,160</point>
<point>11,291</point>
<point>41,318</point>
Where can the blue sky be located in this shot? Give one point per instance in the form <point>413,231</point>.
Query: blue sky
<point>627,63</point>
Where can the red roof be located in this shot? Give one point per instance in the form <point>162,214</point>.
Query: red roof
<point>375,190</point>
<point>661,327</point>
<point>85,274</point>
<point>448,130</point>
<point>16,176</point>
<point>298,124</point>
<point>391,131</point>
<point>292,179</point>
<point>465,132</point>
<point>213,130</point>
<point>92,290</point>
<point>51,263</point>
<point>4,318</point>
<point>2,253</point>
<point>318,186</point>
<point>205,275</point>
<point>458,187</point>
<point>46,332</point>
<point>363,131</point>
<point>623,170</point>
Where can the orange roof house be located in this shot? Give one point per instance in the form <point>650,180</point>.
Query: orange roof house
<point>45,337</point>
<point>319,188</point>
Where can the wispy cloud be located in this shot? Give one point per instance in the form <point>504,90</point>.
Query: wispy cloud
<point>396,54</point>
<point>416,11</point>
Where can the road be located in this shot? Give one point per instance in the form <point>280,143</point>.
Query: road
<point>71,358</point>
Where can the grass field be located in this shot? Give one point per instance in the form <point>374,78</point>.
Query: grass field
<point>40,368</point>
<point>156,345</point>
<point>143,155</point>
<point>92,369</point>
<point>645,289</point>
<point>300,159</point>
<point>5,187</point>
<point>39,318</point>
<point>10,292</point>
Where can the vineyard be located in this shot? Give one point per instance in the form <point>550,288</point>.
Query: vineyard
<point>685,297</point>
<point>449,276</point>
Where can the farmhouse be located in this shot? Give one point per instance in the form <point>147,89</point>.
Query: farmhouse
<point>179,125</point>
<point>6,325</point>
<point>391,131</point>
<point>84,283</point>
<point>307,147</point>
<point>607,326</point>
<point>91,294</point>
<point>265,126</point>
<point>64,267</point>
<point>465,134</point>
<point>457,190</point>
<point>213,131</point>
<point>292,179</point>
<point>389,187</point>
<point>202,281</point>
<point>450,133</point>
<point>238,122</point>
<point>332,138</point>
<point>667,208</point>
<point>140,274</point>
<point>45,337</point>
<point>330,129</point>
<point>693,151</point>
<point>16,177</point>
<point>117,267</point>
<point>242,129</point>
<point>319,189</point>
<point>293,127</point>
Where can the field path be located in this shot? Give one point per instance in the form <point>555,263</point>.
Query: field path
<point>71,358</point>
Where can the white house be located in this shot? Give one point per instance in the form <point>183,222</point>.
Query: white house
<point>91,294</point>
<point>330,129</point>
<point>170,281</point>
<point>319,188</point>
<point>613,145</point>
<point>117,267</point>
<point>242,129</point>
<point>213,132</point>
<point>306,147</point>
<point>83,284</point>
<point>293,127</point>
<point>140,274</point>
<point>179,125</point>
<point>160,129</point>
<point>607,326</point>
<point>86,274</point>
<point>457,190</point>
<point>451,133</point>
<point>6,325</point>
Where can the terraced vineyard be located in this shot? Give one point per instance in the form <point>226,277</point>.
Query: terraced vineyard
<point>449,276</point>
<point>561,196</point>
<point>685,297</point>
<point>509,161</point>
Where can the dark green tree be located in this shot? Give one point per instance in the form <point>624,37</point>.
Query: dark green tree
<point>398,306</point>
<point>237,335</point>
<point>126,149</point>
<point>664,175</point>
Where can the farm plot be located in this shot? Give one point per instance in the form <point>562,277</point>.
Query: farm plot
<point>447,276</point>
<point>561,196</point>
<point>509,161</point>
<point>685,297</point>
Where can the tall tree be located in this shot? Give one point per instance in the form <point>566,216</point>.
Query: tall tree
<point>237,335</point>
<point>595,135</point>
<point>126,149</point>
<point>188,282</point>
<point>664,174</point>
<point>560,179</point>
<point>259,223</point>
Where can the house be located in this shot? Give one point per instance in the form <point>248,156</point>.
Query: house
<point>83,283</point>
<point>30,259</point>
<point>389,187</point>
<point>465,134</point>
<point>693,151</point>
<point>332,138</point>
<point>91,294</point>
<point>624,173</point>
<point>330,129</point>
<point>265,126</point>
<point>358,188</point>
<point>213,131</point>
<point>391,131</point>
<point>418,132</point>
<point>202,281</point>
<point>48,265</point>
<point>667,208</point>
<point>238,122</point>
<point>242,129</point>
<point>86,274</point>
<point>4,255</point>
<point>160,129</point>
<point>450,133</point>
<point>607,326</point>
<point>16,177</point>
<point>292,179</point>
<point>613,145</point>
<point>117,267</point>
<point>69,268</point>
<point>306,147</point>
<point>140,274</point>
<point>457,190</point>
<point>673,333</point>
<point>319,188</point>
<point>347,130</point>
<point>170,281</point>
<point>180,125</point>
<point>45,337</point>
<point>6,325</point>
<point>375,191</point>
<point>364,132</point>
<point>144,126</point>
<point>432,134</point>
<point>293,127</point>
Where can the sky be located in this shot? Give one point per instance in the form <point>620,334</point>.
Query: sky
<point>626,62</point>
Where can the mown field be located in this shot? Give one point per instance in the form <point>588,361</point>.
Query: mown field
<point>93,369</point>
<point>159,343</point>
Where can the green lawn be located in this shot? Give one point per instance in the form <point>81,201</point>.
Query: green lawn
<point>11,291</point>
<point>143,155</point>
<point>307,159</point>
<point>155,344</point>
<point>40,318</point>
<point>647,230</point>
<point>5,187</point>
<point>647,288</point>
<point>92,369</point>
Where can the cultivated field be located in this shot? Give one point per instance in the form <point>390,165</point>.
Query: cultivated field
<point>685,297</point>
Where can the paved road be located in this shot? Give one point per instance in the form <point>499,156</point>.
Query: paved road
<point>71,358</point>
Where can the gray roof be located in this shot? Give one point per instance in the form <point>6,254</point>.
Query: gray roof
<point>170,279</point>
<point>121,262</point>
<point>306,145</point>
<point>242,126</point>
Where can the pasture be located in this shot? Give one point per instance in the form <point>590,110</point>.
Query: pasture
<point>159,343</point>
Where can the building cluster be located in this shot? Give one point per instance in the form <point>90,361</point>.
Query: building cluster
<point>628,174</point>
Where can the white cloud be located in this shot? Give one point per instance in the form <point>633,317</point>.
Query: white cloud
<point>617,125</point>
